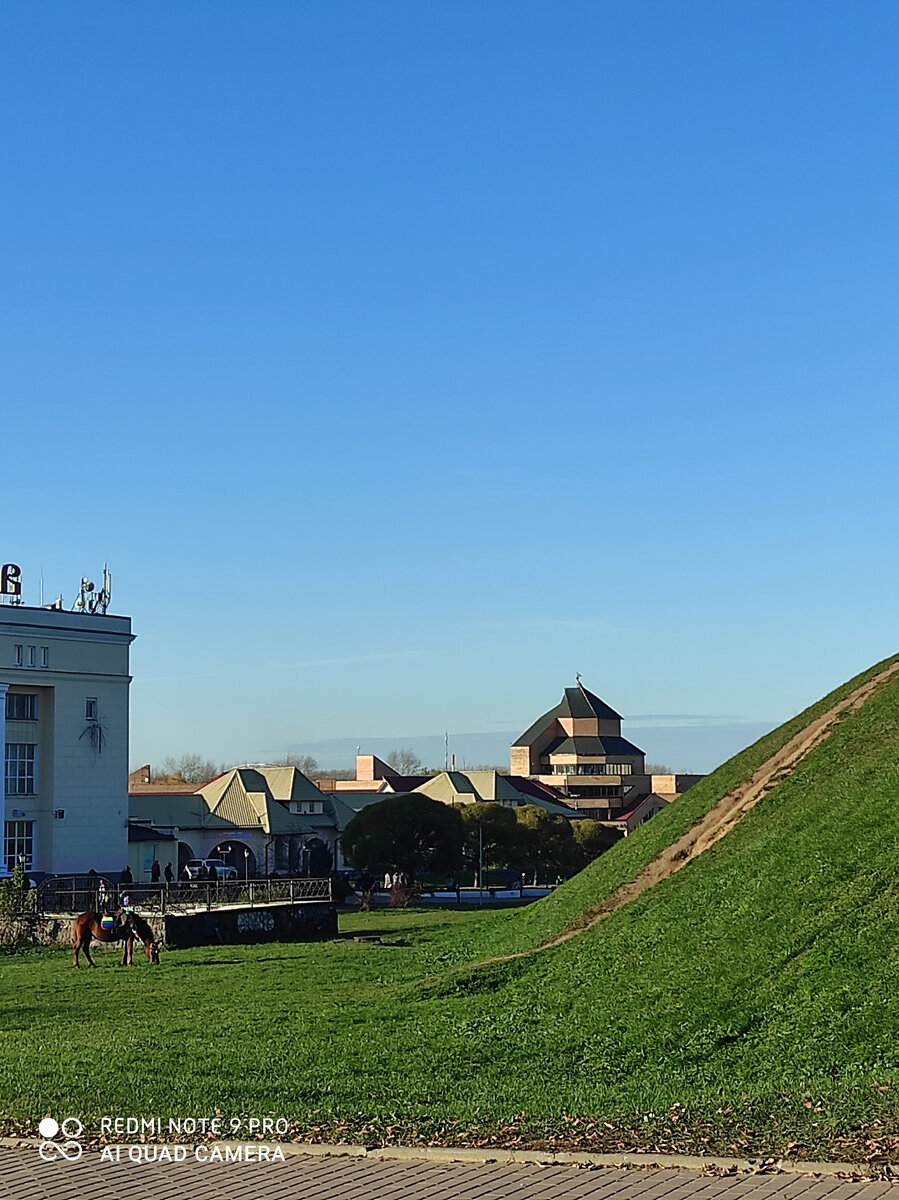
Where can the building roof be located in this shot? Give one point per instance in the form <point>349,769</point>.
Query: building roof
<point>490,787</point>
<point>147,833</point>
<point>592,747</point>
<point>576,702</point>
<point>581,703</point>
<point>641,802</point>
<point>345,805</point>
<point>539,791</point>
<point>243,798</point>
<point>405,783</point>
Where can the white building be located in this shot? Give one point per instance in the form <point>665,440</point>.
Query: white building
<point>64,680</point>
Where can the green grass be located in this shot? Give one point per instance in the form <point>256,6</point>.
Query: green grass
<point>747,1004</point>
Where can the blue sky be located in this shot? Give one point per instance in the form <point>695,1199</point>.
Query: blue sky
<point>404,358</point>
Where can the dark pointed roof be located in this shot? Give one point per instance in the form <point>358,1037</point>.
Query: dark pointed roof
<point>576,702</point>
<point>592,747</point>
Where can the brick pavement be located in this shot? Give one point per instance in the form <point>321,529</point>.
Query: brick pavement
<point>25,1176</point>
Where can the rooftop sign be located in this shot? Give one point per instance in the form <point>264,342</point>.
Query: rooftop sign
<point>10,580</point>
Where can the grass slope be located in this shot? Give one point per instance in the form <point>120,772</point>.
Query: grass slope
<point>746,1004</point>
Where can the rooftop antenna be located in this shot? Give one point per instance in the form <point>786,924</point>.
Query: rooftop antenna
<point>446,750</point>
<point>91,601</point>
<point>577,676</point>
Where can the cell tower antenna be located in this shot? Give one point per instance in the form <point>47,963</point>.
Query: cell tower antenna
<point>91,601</point>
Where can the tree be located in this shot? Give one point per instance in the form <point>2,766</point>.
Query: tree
<point>658,769</point>
<point>303,762</point>
<point>186,768</point>
<point>491,835</point>
<point>404,761</point>
<point>593,838</point>
<point>549,847</point>
<point>408,831</point>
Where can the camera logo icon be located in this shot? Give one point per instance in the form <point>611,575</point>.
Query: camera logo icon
<point>70,1149</point>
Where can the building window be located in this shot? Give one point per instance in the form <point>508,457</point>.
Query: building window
<point>45,656</point>
<point>20,769</point>
<point>21,707</point>
<point>17,655</point>
<point>32,655</point>
<point>18,843</point>
<point>591,769</point>
<point>306,807</point>
<point>90,708</point>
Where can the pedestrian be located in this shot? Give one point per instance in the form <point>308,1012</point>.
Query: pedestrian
<point>169,874</point>
<point>155,871</point>
<point>203,873</point>
<point>126,876</point>
<point>213,874</point>
<point>102,894</point>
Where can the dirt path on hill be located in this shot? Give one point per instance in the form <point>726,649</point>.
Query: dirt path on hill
<point>718,822</point>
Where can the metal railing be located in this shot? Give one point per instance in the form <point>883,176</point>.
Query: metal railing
<point>81,893</point>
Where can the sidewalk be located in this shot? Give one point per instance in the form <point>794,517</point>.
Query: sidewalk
<point>25,1176</point>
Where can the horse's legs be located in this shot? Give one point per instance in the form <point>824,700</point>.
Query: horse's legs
<point>86,947</point>
<point>128,951</point>
<point>76,946</point>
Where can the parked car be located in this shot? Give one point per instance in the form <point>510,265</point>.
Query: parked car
<point>222,870</point>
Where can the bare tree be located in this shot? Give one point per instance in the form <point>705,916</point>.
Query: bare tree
<point>303,762</point>
<point>186,768</point>
<point>405,761</point>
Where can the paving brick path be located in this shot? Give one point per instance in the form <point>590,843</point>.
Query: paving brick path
<point>25,1176</point>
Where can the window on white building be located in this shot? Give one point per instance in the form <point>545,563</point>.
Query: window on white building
<point>21,707</point>
<point>90,708</point>
<point>45,656</point>
<point>18,843</point>
<point>20,769</point>
<point>32,655</point>
<point>17,655</point>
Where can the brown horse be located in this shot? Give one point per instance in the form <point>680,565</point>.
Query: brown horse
<point>127,927</point>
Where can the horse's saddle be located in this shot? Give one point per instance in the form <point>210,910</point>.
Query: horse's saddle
<point>107,923</point>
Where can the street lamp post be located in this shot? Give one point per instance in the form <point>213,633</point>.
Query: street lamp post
<point>480,864</point>
<point>246,866</point>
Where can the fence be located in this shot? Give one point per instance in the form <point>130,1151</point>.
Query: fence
<point>81,893</point>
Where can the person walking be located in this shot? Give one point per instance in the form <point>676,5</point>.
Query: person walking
<point>169,874</point>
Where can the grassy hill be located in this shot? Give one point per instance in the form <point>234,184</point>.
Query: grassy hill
<point>745,1004</point>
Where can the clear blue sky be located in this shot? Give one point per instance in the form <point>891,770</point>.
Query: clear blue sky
<point>404,358</point>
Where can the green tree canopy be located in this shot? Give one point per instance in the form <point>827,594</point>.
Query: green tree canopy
<point>548,845</point>
<point>491,835</point>
<point>593,838</point>
<point>409,832</point>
